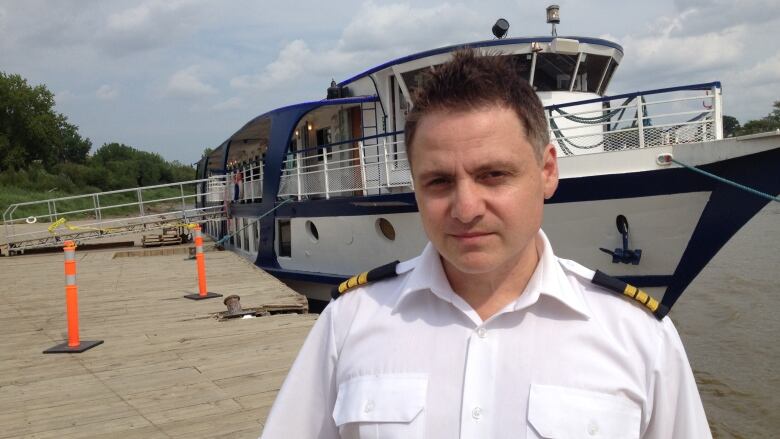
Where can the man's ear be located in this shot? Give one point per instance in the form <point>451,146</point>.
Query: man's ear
<point>550,170</point>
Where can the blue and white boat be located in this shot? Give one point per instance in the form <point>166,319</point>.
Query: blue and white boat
<point>333,173</point>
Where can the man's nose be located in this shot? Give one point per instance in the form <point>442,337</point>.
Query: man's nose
<point>467,202</point>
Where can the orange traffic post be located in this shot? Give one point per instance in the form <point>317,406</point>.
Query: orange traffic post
<point>200,260</point>
<point>73,345</point>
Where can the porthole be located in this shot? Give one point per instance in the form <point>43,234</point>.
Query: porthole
<point>385,229</point>
<point>314,234</point>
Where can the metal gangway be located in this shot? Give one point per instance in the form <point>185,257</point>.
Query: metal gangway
<point>48,223</point>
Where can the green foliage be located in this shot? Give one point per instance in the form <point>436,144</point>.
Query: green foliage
<point>769,123</point>
<point>43,156</point>
<point>730,126</point>
<point>30,129</point>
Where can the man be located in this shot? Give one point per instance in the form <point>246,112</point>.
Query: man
<point>486,334</point>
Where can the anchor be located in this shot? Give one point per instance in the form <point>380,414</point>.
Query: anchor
<point>623,255</point>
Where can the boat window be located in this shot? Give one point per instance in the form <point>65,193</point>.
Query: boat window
<point>523,64</point>
<point>256,233</point>
<point>285,238</point>
<point>413,79</point>
<point>590,72</point>
<point>554,71</point>
<point>610,70</point>
<point>245,235</point>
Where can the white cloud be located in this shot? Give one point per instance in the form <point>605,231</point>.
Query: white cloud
<point>106,92</point>
<point>186,84</point>
<point>148,25</point>
<point>377,33</point>
<point>289,64</point>
<point>764,73</point>
<point>234,103</point>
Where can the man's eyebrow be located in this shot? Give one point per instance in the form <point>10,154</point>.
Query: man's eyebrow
<point>496,165</point>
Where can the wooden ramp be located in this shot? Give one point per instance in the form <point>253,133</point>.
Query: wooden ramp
<point>168,367</point>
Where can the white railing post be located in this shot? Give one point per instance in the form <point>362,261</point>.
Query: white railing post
<point>718,107</point>
<point>140,202</point>
<point>95,207</point>
<point>183,204</point>
<point>640,116</point>
<point>298,172</point>
<point>361,167</point>
<point>387,167</point>
<point>325,172</point>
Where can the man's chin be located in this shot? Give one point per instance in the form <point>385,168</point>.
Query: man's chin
<point>472,264</point>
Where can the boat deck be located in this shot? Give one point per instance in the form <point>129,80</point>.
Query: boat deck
<point>168,368</point>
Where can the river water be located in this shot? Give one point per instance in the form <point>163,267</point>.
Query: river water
<point>728,321</point>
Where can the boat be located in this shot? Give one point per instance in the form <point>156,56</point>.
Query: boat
<point>650,189</point>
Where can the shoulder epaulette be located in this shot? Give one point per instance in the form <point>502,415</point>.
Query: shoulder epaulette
<point>379,273</point>
<point>618,286</point>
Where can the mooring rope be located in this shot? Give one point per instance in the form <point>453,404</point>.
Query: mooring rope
<point>727,181</point>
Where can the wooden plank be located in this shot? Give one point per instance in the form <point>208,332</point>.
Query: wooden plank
<point>168,367</point>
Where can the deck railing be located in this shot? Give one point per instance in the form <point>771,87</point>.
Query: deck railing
<point>662,117</point>
<point>378,164</point>
<point>249,178</point>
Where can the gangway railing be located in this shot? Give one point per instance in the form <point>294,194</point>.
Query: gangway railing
<point>46,223</point>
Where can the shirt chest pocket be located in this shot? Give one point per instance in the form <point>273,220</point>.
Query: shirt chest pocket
<point>564,413</point>
<point>382,407</point>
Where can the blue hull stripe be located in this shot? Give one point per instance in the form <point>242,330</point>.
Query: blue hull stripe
<point>725,213</point>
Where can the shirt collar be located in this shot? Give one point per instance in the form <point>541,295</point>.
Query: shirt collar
<point>548,279</point>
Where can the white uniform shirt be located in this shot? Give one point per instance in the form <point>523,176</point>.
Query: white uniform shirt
<point>408,358</point>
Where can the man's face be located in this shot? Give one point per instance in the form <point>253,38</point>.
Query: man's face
<point>480,188</point>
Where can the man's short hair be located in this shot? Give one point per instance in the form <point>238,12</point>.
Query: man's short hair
<point>470,81</point>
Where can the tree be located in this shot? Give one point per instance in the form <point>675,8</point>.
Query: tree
<point>30,129</point>
<point>730,126</point>
<point>769,123</point>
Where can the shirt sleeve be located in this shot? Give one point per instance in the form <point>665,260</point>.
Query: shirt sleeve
<point>304,405</point>
<point>677,410</point>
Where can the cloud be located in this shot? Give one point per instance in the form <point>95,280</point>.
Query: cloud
<point>148,25</point>
<point>402,27</point>
<point>186,84</point>
<point>234,103</point>
<point>106,92</point>
<point>375,34</point>
<point>288,65</point>
<point>765,72</point>
<point>704,16</point>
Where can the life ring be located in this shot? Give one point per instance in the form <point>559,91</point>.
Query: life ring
<point>31,220</point>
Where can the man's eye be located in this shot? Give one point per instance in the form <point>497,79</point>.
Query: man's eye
<point>493,176</point>
<point>437,182</point>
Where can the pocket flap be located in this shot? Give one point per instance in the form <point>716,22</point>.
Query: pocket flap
<point>380,398</point>
<point>561,412</point>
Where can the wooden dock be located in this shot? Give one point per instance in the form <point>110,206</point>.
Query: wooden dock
<point>168,367</point>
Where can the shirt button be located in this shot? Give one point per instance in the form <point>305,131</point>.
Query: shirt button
<point>369,406</point>
<point>593,428</point>
<point>481,332</point>
<point>476,413</point>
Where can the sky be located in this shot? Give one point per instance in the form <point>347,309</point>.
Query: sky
<point>177,76</point>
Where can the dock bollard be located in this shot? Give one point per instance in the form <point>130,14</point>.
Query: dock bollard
<point>73,345</point>
<point>203,292</point>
